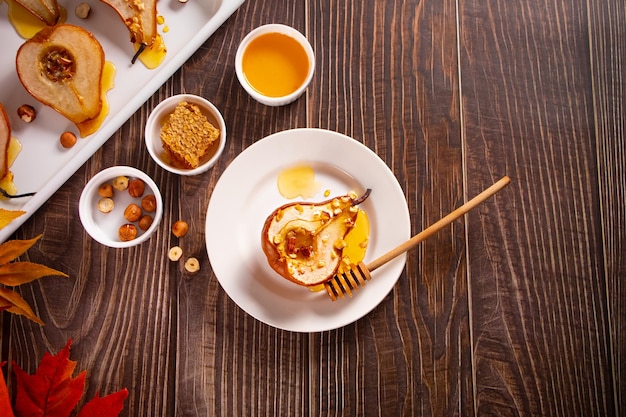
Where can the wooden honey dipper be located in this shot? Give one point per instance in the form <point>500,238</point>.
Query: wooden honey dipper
<point>357,275</point>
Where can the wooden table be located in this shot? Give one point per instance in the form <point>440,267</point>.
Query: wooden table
<point>516,309</point>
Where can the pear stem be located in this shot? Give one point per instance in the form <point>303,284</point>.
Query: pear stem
<point>141,48</point>
<point>362,198</point>
<point>7,195</point>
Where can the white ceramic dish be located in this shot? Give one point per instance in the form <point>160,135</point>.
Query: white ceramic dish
<point>247,193</point>
<point>274,28</point>
<point>103,227</point>
<point>43,165</point>
<point>159,116</point>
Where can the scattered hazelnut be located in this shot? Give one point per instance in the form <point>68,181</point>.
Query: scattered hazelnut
<point>106,205</point>
<point>68,139</point>
<point>82,10</point>
<point>120,183</point>
<point>180,228</point>
<point>175,253</point>
<point>127,232</point>
<point>133,212</point>
<point>149,203</point>
<point>192,265</point>
<point>26,112</point>
<point>105,190</point>
<point>145,222</point>
<point>136,187</point>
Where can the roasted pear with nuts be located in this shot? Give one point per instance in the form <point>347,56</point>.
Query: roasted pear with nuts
<point>303,242</point>
<point>47,11</point>
<point>139,16</point>
<point>61,66</point>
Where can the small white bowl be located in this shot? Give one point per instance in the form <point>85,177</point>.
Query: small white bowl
<point>262,30</point>
<point>159,116</point>
<point>103,227</point>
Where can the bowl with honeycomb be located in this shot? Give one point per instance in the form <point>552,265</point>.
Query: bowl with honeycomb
<point>185,134</point>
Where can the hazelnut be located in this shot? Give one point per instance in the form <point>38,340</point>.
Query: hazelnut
<point>192,265</point>
<point>145,222</point>
<point>82,10</point>
<point>136,187</point>
<point>180,228</point>
<point>27,113</point>
<point>120,183</point>
<point>106,205</point>
<point>149,203</point>
<point>175,253</point>
<point>68,139</point>
<point>105,190</point>
<point>133,212</point>
<point>127,232</point>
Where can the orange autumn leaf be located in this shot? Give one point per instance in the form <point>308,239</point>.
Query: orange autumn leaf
<point>17,273</point>
<point>7,216</point>
<point>17,305</point>
<point>13,248</point>
<point>53,392</point>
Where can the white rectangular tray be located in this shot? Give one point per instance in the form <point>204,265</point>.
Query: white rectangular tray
<point>43,166</point>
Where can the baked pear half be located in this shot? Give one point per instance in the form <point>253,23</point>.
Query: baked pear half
<point>61,66</point>
<point>303,242</point>
<point>5,139</point>
<point>46,10</point>
<point>139,16</point>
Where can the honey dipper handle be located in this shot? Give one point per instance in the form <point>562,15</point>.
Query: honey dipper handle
<point>440,224</point>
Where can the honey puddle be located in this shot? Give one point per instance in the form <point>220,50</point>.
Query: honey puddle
<point>297,181</point>
<point>90,126</point>
<point>153,55</point>
<point>25,23</point>
<point>6,183</point>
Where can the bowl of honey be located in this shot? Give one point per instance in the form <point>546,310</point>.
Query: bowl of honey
<point>275,64</point>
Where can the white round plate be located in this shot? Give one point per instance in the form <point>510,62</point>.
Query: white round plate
<point>247,193</point>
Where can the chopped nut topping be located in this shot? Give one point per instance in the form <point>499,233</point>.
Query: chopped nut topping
<point>340,244</point>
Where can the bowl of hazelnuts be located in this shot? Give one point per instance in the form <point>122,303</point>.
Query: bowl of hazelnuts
<point>120,207</point>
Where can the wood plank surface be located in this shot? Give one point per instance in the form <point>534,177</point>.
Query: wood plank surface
<point>607,33</point>
<point>515,310</point>
<point>391,82</point>
<point>536,262</point>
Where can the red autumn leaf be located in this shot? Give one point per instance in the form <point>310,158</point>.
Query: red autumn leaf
<point>5,399</point>
<point>108,406</point>
<point>53,392</point>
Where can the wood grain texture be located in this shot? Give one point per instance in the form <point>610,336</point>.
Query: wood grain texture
<point>241,367</point>
<point>607,33</point>
<point>415,345</point>
<point>536,266</point>
<point>515,310</point>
